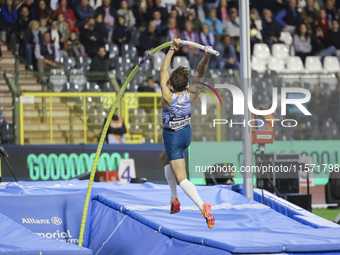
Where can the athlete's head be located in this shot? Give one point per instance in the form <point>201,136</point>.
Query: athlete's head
<point>179,78</point>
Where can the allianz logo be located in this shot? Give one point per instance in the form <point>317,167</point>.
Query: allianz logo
<point>54,220</point>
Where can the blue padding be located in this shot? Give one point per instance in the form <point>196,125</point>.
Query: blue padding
<point>293,211</point>
<point>243,226</point>
<point>15,239</point>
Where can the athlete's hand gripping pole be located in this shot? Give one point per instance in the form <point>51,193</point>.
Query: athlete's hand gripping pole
<point>201,47</point>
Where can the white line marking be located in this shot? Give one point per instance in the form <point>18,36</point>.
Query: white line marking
<point>111,235</point>
<point>225,206</point>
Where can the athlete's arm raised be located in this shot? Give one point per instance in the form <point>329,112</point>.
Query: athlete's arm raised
<point>195,88</point>
<point>166,92</point>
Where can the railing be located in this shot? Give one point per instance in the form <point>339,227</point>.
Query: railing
<point>72,118</point>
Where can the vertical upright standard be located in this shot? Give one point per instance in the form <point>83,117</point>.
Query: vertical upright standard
<point>246,83</point>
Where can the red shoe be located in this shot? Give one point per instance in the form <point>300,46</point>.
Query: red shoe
<point>175,206</point>
<point>206,212</point>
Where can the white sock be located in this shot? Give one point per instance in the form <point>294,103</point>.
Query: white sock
<point>170,177</point>
<point>191,192</point>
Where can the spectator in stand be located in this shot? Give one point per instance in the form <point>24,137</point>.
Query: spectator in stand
<point>331,10</point>
<point>196,23</point>
<point>222,11</point>
<point>149,39</point>
<point>18,30</point>
<point>318,105</point>
<point>181,11</point>
<point>130,20</point>
<point>73,46</point>
<point>101,27</point>
<point>100,64</point>
<point>90,38</point>
<point>149,86</point>
<point>228,58</point>
<point>161,27</point>
<point>9,15</point>
<point>63,27</point>
<point>333,37</point>
<point>289,18</point>
<point>163,11</point>
<point>231,27</point>
<point>109,14</point>
<point>121,34</point>
<point>201,10</point>
<point>274,5</point>
<point>323,21</point>
<point>256,23</point>
<point>311,24</point>
<point>45,11</point>
<point>302,132</point>
<point>68,13</point>
<point>84,11</point>
<point>140,12</point>
<point>302,43</point>
<point>57,39</point>
<point>311,9</point>
<point>32,9</point>
<point>171,32</point>
<point>47,55</point>
<point>193,54</point>
<point>43,27</point>
<point>116,130</point>
<point>319,45</point>
<point>32,36</point>
<point>334,105</point>
<point>179,21</point>
<point>207,38</point>
<point>214,23</point>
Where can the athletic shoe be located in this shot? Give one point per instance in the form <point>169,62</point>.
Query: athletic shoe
<point>175,206</point>
<point>206,212</point>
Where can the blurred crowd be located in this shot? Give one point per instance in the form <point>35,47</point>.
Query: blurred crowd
<point>43,31</point>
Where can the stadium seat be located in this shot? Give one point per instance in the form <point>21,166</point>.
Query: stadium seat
<point>7,133</point>
<point>288,132</point>
<point>136,82</point>
<point>313,128</point>
<point>276,64</point>
<point>313,64</point>
<point>157,60</point>
<point>325,89</point>
<point>78,77</point>
<point>180,61</point>
<point>331,64</point>
<point>123,64</point>
<point>91,87</point>
<point>106,87</point>
<point>68,63</point>
<point>287,38</point>
<point>261,51</point>
<point>57,79</point>
<point>112,49</point>
<point>129,51</point>
<point>258,65</point>
<point>330,130</point>
<point>83,63</point>
<point>295,65</point>
<point>280,51</point>
<point>70,87</point>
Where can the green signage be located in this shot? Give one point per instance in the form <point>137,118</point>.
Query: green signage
<point>63,166</point>
<point>325,154</point>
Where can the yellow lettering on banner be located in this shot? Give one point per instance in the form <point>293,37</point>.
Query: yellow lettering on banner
<point>131,100</point>
<point>108,101</point>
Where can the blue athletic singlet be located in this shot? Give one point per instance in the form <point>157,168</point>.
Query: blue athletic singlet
<point>177,116</point>
<point>177,132</point>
